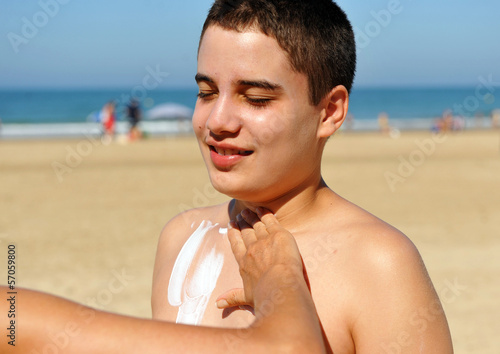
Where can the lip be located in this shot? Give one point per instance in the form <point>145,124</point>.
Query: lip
<point>224,155</point>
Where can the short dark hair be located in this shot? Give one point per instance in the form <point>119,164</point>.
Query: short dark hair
<point>316,35</point>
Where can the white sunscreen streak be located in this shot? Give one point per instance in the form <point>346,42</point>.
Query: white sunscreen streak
<point>195,274</point>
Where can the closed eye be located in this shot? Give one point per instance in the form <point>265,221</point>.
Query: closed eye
<point>258,102</point>
<point>205,96</point>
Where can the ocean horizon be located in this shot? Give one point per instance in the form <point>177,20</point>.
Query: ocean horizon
<point>72,111</point>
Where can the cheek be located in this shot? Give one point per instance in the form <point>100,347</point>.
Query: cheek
<point>291,134</point>
<point>198,121</point>
<point>270,129</point>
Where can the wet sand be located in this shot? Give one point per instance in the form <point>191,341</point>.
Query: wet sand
<point>85,217</point>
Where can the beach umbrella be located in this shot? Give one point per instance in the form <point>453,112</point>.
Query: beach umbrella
<point>95,117</point>
<point>169,111</point>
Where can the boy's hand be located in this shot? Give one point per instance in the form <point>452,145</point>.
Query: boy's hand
<point>267,255</point>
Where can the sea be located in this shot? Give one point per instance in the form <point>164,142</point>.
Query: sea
<point>44,113</point>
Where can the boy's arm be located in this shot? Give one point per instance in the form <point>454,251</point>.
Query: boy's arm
<point>166,248</point>
<point>399,310</point>
<point>285,316</point>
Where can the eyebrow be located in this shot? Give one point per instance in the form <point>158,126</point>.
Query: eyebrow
<point>263,84</point>
<point>202,78</point>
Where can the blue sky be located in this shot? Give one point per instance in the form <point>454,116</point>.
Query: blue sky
<point>91,43</point>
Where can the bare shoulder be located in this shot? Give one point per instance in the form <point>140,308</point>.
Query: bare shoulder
<point>372,243</point>
<point>175,233</point>
<point>172,238</point>
<point>385,249</point>
<point>394,304</point>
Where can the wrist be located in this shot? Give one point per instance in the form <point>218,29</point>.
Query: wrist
<point>278,282</point>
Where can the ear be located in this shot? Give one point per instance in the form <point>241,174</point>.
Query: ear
<point>335,105</point>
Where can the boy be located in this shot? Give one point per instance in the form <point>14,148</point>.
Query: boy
<point>274,80</point>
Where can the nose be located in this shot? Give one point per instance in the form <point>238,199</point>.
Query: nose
<point>223,119</point>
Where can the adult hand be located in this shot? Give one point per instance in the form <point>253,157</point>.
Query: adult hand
<point>267,255</point>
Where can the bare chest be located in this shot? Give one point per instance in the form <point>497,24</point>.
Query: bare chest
<point>187,287</point>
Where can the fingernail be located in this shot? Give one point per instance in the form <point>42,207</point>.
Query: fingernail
<point>222,304</point>
<point>239,217</point>
<point>259,211</point>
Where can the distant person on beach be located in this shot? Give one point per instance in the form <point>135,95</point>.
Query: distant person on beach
<point>386,128</point>
<point>109,120</point>
<point>274,79</point>
<point>448,123</point>
<point>383,123</point>
<point>495,119</point>
<point>134,117</point>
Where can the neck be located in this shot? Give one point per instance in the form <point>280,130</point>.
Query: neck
<point>293,209</point>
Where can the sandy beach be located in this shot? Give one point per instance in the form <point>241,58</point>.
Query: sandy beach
<point>85,216</point>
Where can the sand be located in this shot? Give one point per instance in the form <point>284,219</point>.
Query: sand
<point>85,217</point>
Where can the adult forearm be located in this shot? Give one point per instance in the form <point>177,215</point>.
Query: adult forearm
<point>47,323</point>
<point>50,324</point>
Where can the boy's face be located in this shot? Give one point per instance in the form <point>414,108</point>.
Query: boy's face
<point>256,128</point>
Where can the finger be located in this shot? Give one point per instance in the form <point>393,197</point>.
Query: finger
<point>268,219</point>
<point>273,226</point>
<point>247,232</point>
<point>249,216</point>
<point>237,245</point>
<point>232,298</point>
<point>252,219</point>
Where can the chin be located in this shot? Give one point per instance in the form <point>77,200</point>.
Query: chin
<point>242,186</point>
<point>232,189</point>
<point>226,188</point>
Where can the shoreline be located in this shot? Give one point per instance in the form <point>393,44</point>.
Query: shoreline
<point>47,131</point>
